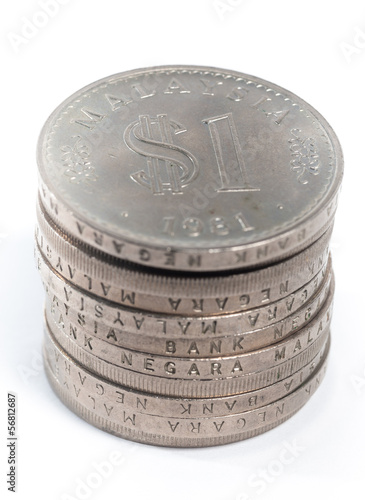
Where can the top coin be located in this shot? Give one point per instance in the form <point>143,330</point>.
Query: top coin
<point>190,168</point>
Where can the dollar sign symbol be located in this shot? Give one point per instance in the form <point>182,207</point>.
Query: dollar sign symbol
<point>169,167</point>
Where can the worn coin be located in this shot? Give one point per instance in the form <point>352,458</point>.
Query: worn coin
<point>146,291</point>
<point>161,292</point>
<point>145,322</point>
<point>184,379</point>
<point>80,325</point>
<point>250,319</point>
<point>171,430</point>
<point>193,168</point>
<point>95,353</point>
<point>106,394</point>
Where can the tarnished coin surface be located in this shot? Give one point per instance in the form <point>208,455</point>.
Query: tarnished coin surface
<point>190,168</point>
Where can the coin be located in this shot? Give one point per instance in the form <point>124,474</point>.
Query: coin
<point>96,351</point>
<point>201,377</point>
<point>89,386</point>
<point>206,345</point>
<point>145,290</point>
<point>193,168</point>
<point>148,323</point>
<point>171,430</point>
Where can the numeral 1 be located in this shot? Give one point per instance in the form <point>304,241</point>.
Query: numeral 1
<point>228,154</point>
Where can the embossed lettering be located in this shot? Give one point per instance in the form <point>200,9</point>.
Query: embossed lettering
<point>193,370</point>
<point>237,94</point>
<point>193,349</point>
<point>118,102</point>
<point>215,368</point>
<point>170,347</point>
<point>148,364</point>
<point>184,327</point>
<point>174,303</point>
<point>128,296</point>
<point>217,347</point>
<point>139,403</point>
<point>170,368</point>
<point>126,358</point>
<point>209,86</point>
<point>237,343</point>
<point>118,246</point>
<point>245,226</point>
<point>278,333</point>
<point>94,118</point>
<point>218,426</point>
<point>186,410</point>
<point>207,409</point>
<point>237,367</point>
<point>230,406</point>
<point>221,303</point>
<point>179,165</point>
<point>127,418</point>
<point>210,327</point>
<point>198,305</point>
<point>225,141</point>
<point>279,354</point>
<point>175,86</point>
<point>105,288</point>
<point>172,426</point>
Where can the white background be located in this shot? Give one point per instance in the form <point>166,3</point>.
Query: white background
<point>316,49</point>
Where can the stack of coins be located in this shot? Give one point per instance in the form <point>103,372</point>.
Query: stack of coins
<point>184,221</point>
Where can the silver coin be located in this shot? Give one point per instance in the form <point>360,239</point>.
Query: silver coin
<point>169,386</point>
<point>250,319</point>
<point>80,325</point>
<point>173,430</point>
<point>145,322</point>
<point>155,293</point>
<point>193,168</point>
<point>185,379</point>
<point>93,353</point>
<point>89,387</point>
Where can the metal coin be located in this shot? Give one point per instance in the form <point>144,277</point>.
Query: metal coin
<point>80,325</point>
<point>164,294</point>
<point>105,394</point>
<point>172,430</point>
<point>145,322</point>
<point>92,352</point>
<point>193,168</point>
<point>184,379</point>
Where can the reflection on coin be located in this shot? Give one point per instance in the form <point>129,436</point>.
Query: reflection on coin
<point>229,170</point>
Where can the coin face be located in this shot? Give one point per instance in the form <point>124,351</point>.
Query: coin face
<point>190,168</point>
